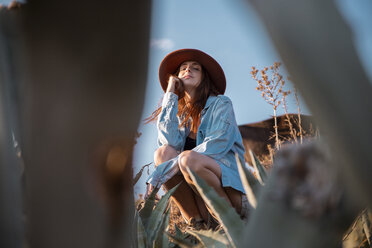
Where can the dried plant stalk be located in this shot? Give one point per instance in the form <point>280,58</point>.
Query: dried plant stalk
<point>271,90</point>
<point>291,129</point>
<point>299,114</point>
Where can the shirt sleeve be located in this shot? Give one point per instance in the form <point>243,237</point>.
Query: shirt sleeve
<point>169,132</point>
<point>164,172</point>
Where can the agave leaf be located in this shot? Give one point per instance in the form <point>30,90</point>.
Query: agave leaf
<point>231,222</point>
<point>245,176</point>
<point>253,182</point>
<point>163,240</point>
<point>139,174</point>
<point>141,234</point>
<point>367,226</point>
<point>356,235</point>
<point>181,242</point>
<point>146,211</point>
<point>210,239</point>
<point>155,220</point>
<point>179,233</point>
<point>134,229</point>
<point>262,175</point>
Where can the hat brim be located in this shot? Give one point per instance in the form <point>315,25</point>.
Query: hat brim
<point>173,60</point>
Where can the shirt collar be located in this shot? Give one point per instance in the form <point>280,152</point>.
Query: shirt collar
<point>210,100</point>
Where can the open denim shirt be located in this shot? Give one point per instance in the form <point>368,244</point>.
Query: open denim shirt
<point>218,137</point>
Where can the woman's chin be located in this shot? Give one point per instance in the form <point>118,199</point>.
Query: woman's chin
<point>190,84</point>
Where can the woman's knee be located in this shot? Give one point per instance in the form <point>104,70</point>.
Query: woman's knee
<point>164,153</point>
<point>187,159</point>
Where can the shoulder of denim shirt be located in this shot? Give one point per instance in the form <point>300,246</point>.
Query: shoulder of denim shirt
<point>215,100</point>
<point>223,99</point>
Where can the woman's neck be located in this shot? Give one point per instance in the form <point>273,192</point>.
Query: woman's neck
<point>189,96</point>
<point>190,93</point>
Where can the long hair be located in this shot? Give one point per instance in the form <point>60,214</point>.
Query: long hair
<point>190,109</point>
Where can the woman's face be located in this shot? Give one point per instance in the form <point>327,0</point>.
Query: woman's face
<point>190,73</point>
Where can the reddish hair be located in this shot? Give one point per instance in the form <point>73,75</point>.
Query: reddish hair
<point>186,109</point>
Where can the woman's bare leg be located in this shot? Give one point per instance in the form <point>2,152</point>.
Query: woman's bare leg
<point>235,197</point>
<point>209,170</point>
<point>184,196</point>
<point>201,206</point>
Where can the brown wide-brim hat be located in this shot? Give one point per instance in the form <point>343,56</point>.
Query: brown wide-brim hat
<point>173,60</point>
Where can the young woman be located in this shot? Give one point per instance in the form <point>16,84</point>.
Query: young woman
<point>196,130</point>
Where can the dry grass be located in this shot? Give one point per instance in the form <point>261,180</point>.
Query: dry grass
<point>175,218</point>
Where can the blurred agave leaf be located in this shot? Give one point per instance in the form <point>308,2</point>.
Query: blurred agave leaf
<point>145,213</point>
<point>261,172</point>
<point>179,233</point>
<point>141,234</point>
<point>366,217</point>
<point>181,241</point>
<point>210,239</point>
<point>231,222</point>
<point>154,222</point>
<point>139,174</point>
<point>247,179</point>
<point>254,183</point>
<point>359,232</point>
<point>162,240</point>
<point>134,229</point>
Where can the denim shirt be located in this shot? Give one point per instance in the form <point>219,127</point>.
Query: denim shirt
<point>218,137</point>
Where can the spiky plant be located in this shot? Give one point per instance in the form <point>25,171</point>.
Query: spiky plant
<point>152,222</point>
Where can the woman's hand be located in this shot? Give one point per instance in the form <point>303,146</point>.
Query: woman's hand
<point>175,85</point>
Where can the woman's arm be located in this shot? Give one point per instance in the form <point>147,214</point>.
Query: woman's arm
<point>169,132</point>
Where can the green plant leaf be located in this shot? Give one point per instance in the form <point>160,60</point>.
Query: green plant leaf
<point>231,222</point>
<point>247,179</point>
<point>210,239</point>
<point>179,233</point>
<point>181,242</point>
<point>134,229</point>
<point>253,182</point>
<point>155,220</point>
<point>162,240</point>
<point>262,175</point>
<point>141,234</point>
<point>146,211</point>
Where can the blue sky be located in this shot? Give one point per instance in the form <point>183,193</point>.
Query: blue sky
<point>231,32</point>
